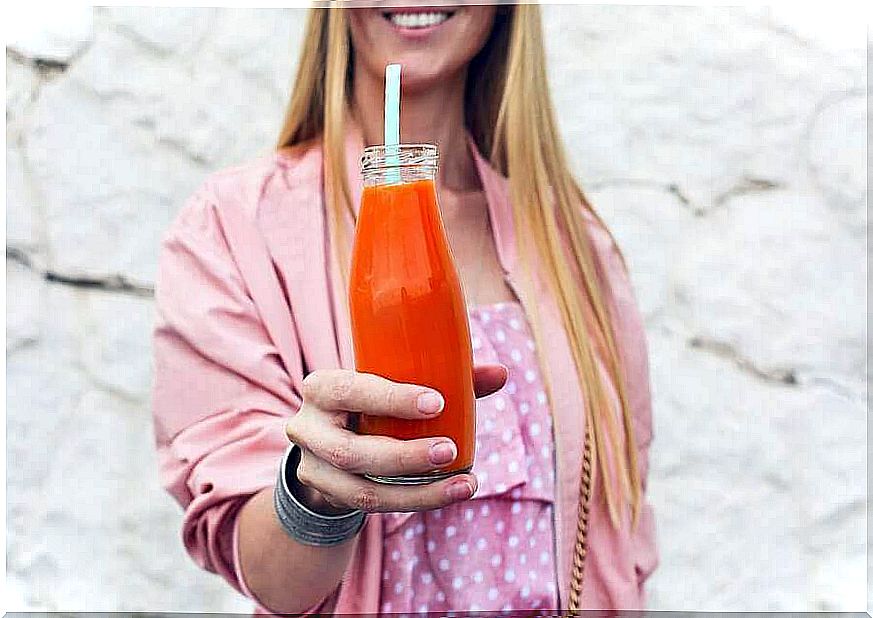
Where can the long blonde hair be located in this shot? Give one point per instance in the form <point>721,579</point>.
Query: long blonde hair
<point>513,124</point>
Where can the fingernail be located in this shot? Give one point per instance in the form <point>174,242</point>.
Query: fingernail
<point>429,403</point>
<point>442,452</point>
<point>460,491</point>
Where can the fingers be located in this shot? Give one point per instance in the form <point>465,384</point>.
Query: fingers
<point>339,389</point>
<point>488,379</point>
<point>343,489</point>
<point>363,454</point>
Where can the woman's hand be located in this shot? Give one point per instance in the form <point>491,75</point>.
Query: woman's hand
<point>334,457</point>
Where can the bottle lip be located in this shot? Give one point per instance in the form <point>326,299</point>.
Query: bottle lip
<point>376,158</point>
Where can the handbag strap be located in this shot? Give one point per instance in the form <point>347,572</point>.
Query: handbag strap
<point>581,548</point>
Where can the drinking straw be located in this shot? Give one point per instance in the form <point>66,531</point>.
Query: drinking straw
<point>392,122</point>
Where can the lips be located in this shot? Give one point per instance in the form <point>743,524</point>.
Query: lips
<point>418,19</point>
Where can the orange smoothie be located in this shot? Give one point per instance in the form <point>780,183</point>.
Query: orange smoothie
<point>409,319</point>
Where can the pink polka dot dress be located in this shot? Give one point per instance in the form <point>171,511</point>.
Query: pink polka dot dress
<point>496,551</point>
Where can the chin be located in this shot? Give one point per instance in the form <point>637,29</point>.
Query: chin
<point>418,78</point>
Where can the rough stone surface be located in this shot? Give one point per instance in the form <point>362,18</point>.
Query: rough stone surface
<point>57,35</point>
<point>725,148</point>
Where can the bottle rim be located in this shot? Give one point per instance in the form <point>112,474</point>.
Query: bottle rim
<point>376,158</point>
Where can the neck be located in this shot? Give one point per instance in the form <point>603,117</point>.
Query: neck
<point>432,116</point>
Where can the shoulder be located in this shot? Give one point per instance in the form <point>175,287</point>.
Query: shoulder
<point>249,190</point>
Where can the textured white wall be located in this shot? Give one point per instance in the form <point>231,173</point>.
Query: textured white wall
<point>725,148</point>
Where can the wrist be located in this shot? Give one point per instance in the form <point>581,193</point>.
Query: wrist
<point>300,521</point>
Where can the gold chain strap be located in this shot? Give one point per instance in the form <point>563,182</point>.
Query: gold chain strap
<point>582,527</point>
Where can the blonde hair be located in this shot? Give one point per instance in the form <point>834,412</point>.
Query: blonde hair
<point>513,124</point>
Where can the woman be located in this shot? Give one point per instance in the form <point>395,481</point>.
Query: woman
<point>253,348</point>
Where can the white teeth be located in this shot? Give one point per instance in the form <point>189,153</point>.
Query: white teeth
<point>418,20</point>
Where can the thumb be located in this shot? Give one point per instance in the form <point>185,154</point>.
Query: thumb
<point>488,379</point>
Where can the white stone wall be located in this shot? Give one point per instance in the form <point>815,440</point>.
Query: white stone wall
<point>726,148</point>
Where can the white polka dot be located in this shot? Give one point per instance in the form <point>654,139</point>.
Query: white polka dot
<point>484,510</point>
<point>450,531</point>
<point>431,546</point>
<point>422,608</point>
<point>515,324</point>
<point>398,588</point>
<point>463,549</point>
<point>530,344</point>
<point>481,544</point>
<point>528,525</point>
<point>511,388</point>
<point>468,514</point>
<point>457,583</point>
<point>412,562</point>
<point>532,542</point>
<point>496,560</point>
<point>437,514</point>
<point>513,466</point>
<point>513,541</point>
<point>444,565</point>
<point>530,375</point>
<point>544,557</point>
<point>536,603</point>
<point>541,525</point>
<point>478,577</point>
<point>492,594</point>
<point>546,452</point>
<point>500,527</point>
<point>395,555</point>
<point>408,534</point>
<point>419,528</point>
<point>551,586</point>
<point>500,335</point>
<point>387,607</point>
<point>494,458</point>
<point>486,317</point>
<point>516,508</point>
<point>507,436</point>
<point>482,476</point>
<point>499,403</point>
<point>538,483</point>
<point>500,488</point>
<point>522,559</point>
<point>541,397</point>
<point>440,596</point>
<point>525,591</point>
<point>524,408</point>
<point>509,576</point>
<point>532,575</point>
<point>426,577</point>
<point>534,429</point>
<point>489,427</point>
<point>515,493</point>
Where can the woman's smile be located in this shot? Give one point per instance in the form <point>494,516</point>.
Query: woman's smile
<point>417,23</point>
<point>416,19</point>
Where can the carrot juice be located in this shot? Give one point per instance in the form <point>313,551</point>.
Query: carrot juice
<point>409,319</point>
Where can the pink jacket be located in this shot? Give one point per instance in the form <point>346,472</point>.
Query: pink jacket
<point>249,302</point>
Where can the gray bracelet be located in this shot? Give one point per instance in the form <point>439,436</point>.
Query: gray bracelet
<point>303,524</point>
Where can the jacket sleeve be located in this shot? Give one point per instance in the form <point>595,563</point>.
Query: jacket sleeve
<point>221,391</point>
